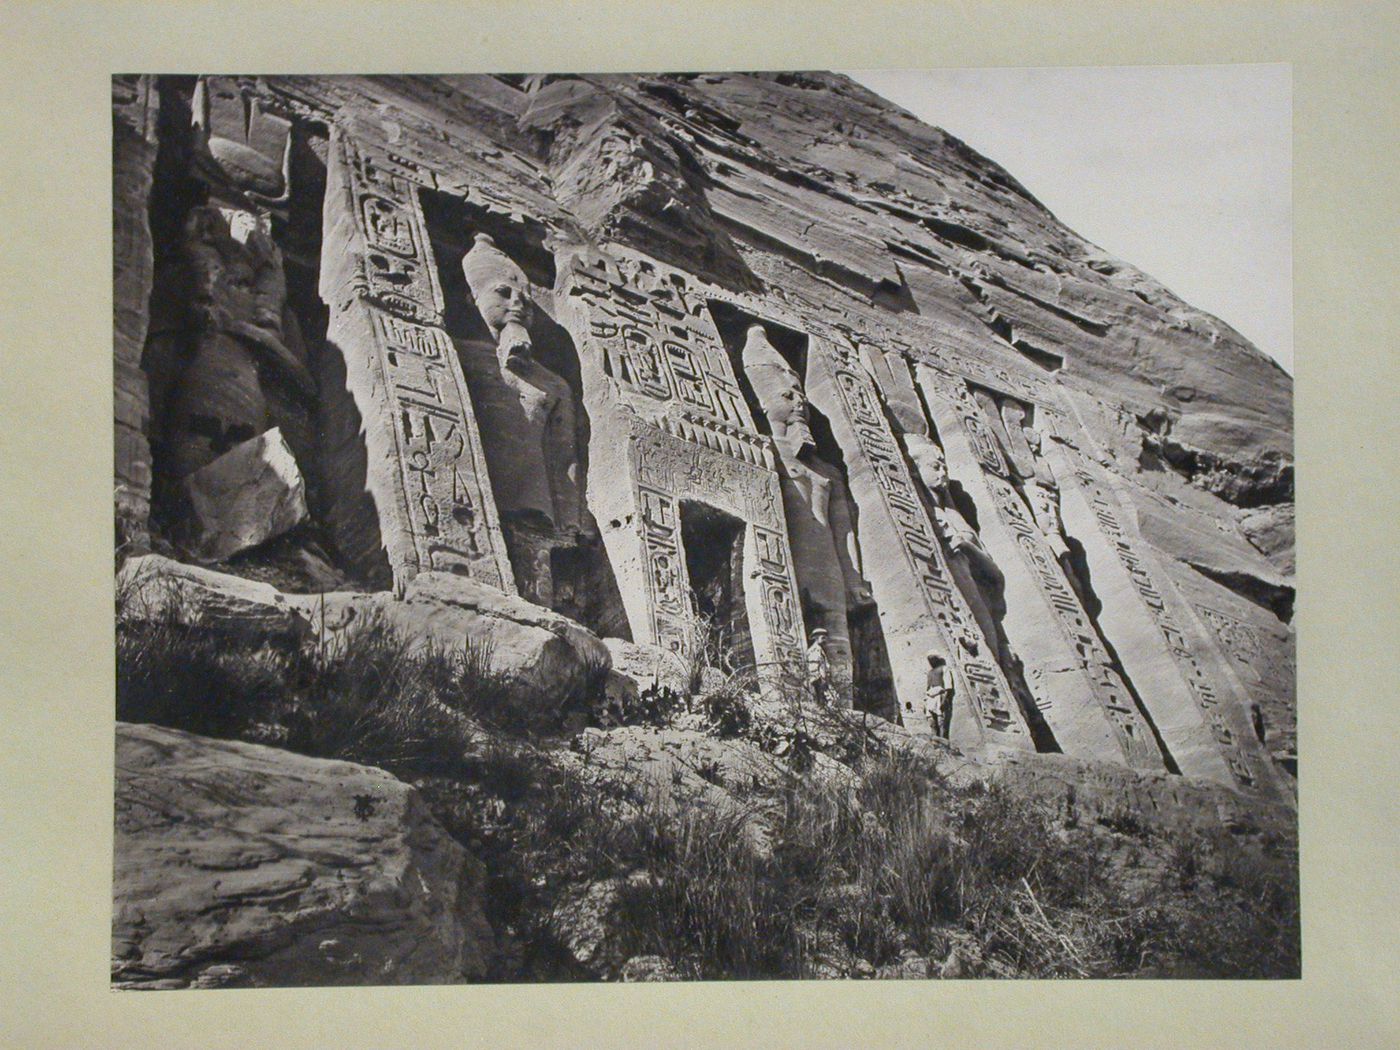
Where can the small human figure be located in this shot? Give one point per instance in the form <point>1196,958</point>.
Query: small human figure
<point>1256,718</point>
<point>818,666</point>
<point>817,506</point>
<point>938,694</point>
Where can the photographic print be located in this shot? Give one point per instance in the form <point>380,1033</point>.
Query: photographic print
<point>695,526</point>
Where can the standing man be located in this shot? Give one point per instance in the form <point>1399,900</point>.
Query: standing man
<point>938,694</point>
<point>818,666</point>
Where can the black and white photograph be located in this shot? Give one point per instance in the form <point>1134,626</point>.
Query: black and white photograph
<point>703,526</point>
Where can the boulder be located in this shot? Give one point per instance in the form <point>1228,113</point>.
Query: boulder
<point>153,587</point>
<point>1270,530</point>
<point>525,642</point>
<point>648,665</point>
<point>588,924</point>
<point>242,865</point>
<point>251,494</point>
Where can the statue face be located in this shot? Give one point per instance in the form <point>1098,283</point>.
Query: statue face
<point>779,392</point>
<point>928,459</point>
<point>499,287</point>
<point>505,302</point>
<point>788,413</point>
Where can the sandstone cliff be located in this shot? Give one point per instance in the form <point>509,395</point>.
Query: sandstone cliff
<point>750,389</point>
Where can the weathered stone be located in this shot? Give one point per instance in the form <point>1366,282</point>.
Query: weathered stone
<point>804,365</point>
<point>817,508</point>
<point>644,968</point>
<point>240,865</point>
<point>586,923</point>
<point>246,148</point>
<point>151,588</point>
<point>528,421</point>
<point>533,646</point>
<point>135,108</point>
<point>243,340</point>
<point>249,495</point>
<point>1270,531</point>
<point>680,480</point>
<point>398,420</point>
<point>648,666</point>
<point>909,966</point>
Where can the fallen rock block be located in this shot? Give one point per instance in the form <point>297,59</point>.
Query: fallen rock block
<point>525,642</point>
<point>242,865</point>
<point>251,494</point>
<point>152,587</point>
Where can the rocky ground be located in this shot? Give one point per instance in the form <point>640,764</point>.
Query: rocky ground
<point>304,796</point>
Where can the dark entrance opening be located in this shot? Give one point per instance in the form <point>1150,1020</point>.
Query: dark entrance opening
<point>714,558</point>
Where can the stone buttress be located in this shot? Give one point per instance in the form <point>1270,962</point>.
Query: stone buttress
<point>670,429</point>
<point>402,394</point>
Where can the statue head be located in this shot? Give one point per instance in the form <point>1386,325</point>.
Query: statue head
<point>779,392</point>
<point>502,294</point>
<point>928,461</point>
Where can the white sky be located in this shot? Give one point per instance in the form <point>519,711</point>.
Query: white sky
<point>1183,171</point>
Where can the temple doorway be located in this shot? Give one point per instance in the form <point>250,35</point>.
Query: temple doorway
<point>713,542</point>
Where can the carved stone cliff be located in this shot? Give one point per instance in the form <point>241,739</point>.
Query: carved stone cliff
<point>754,355</point>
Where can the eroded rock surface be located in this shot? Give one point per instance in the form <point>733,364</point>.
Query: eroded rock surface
<point>716,393</point>
<point>721,360</point>
<point>239,865</point>
<point>253,493</point>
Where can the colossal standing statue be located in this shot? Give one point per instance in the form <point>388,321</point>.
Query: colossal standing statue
<point>232,347</point>
<point>243,337</point>
<point>528,422</point>
<point>817,507</point>
<point>1044,493</point>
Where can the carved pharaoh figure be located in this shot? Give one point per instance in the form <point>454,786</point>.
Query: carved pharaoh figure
<point>528,422</point>
<point>225,355</point>
<point>243,337</point>
<point>964,544</point>
<point>817,507</point>
<point>1044,495</point>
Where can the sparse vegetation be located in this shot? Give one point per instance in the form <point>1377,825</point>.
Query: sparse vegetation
<point>841,881</point>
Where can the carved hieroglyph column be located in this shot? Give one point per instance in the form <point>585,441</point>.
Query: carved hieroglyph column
<point>1085,703</point>
<point>1199,708</point>
<point>921,609</point>
<point>405,471</point>
<point>669,426</point>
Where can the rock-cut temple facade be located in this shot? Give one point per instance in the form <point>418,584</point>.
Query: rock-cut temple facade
<point>760,355</point>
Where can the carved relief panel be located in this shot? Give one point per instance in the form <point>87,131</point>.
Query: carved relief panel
<point>1131,731</point>
<point>1220,710</point>
<point>658,342</point>
<point>425,467</point>
<point>657,375</point>
<point>990,696</point>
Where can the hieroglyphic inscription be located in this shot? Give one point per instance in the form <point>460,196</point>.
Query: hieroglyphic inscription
<point>411,381</point>
<point>665,567</point>
<point>776,573</point>
<point>1133,734</point>
<point>1131,729</point>
<point>694,459</point>
<point>1106,512</point>
<point>691,437</point>
<point>992,699</point>
<point>657,339</point>
<point>1240,640</point>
